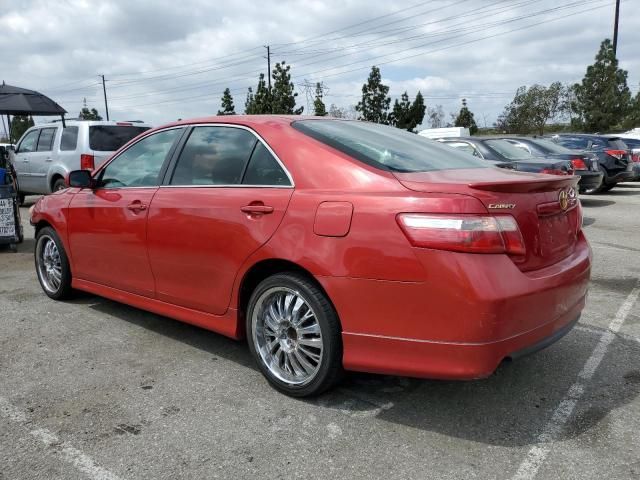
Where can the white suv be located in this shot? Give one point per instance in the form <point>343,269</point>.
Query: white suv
<point>46,153</point>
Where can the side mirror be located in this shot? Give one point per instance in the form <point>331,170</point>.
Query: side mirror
<point>80,179</point>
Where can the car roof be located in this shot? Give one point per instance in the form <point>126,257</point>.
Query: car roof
<point>94,123</point>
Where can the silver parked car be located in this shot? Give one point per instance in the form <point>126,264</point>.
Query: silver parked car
<point>46,153</point>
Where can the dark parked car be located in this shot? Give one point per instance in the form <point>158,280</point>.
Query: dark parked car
<point>614,156</point>
<point>634,145</point>
<point>585,164</point>
<point>506,155</point>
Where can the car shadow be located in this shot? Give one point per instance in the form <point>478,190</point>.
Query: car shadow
<point>510,408</point>
<point>595,202</point>
<point>586,221</point>
<point>621,192</point>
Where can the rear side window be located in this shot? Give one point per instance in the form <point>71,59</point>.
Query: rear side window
<point>617,144</point>
<point>386,148</point>
<point>69,139</point>
<point>264,169</point>
<point>214,156</point>
<point>575,143</point>
<point>28,143</point>
<point>45,141</point>
<point>109,138</point>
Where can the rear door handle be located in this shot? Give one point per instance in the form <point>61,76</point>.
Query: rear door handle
<point>136,206</point>
<point>257,209</point>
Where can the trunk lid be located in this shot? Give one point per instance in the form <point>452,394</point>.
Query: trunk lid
<point>545,206</point>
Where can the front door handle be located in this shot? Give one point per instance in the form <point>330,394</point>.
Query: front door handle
<point>258,209</point>
<point>136,206</point>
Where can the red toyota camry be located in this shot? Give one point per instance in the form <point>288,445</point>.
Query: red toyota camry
<point>330,245</point>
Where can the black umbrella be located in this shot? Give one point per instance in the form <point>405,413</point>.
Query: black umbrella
<point>20,101</point>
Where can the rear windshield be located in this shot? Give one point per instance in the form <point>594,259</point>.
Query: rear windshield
<point>550,146</point>
<point>387,148</point>
<point>508,150</point>
<point>617,144</point>
<point>109,138</point>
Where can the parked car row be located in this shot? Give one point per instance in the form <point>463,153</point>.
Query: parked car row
<point>601,161</point>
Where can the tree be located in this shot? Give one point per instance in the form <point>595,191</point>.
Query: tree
<point>19,125</point>
<point>436,116</point>
<point>348,113</point>
<point>603,98</point>
<point>283,98</point>
<point>374,105</point>
<point>465,118</point>
<point>407,115</point>
<point>86,114</point>
<point>227,104</point>
<point>260,102</point>
<point>532,108</point>
<point>319,108</point>
<point>633,118</point>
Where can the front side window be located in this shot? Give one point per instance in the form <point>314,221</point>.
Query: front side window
<point>386,148</point>
<point>214,156</point>
<point>28,143</point>
<point>141,163</point>
<point>69,139</point>
<point>264,169</point>
<point>45,141</point>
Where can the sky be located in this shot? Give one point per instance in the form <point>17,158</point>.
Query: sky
<point>167,59</point>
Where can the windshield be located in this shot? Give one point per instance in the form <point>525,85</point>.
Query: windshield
<point>508,150</point>
<point>550,146</point>
<point>385,147</point>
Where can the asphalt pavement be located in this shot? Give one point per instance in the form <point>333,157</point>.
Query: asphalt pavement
<point>94,389</point>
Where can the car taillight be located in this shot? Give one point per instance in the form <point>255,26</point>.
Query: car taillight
<point>619,154</point>
<point>555,171</point>
<point>635,157</point>
<point>463,233</point>
<point>87,162</point>
<point>578,164</point>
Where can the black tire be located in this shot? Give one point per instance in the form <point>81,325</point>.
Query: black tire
<point>59,184</point>
<point>63,290</point>
<point>329,369</point>
<point>606,188</point>
<point>600,188</point>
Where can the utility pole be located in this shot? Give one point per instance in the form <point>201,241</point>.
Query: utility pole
<point>104,90</point>
<point>615,28</point>
<point>268,57</point>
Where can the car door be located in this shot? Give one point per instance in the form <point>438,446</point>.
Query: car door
<point>41,159</point>
<point>223,199</point>
<point>22,160</point>
<point>108,224</point>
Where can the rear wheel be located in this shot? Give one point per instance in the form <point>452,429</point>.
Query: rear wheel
<point>602,187</point>
<point>58,185</point>
<point>52,265</point>
<point>294,335</point>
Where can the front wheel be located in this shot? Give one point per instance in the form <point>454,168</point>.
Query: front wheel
<point>52,265</point>
<point>294,335</point>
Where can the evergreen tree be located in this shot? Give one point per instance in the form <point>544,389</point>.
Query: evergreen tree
<point>283,98</point>
<point>319,108</point>
<point>374,105</point>
<point>633,118</point>
<point>400,115</point>
<point>86,114</point>
<point>418,109</point>
<point>260,102</point>
<point>227,104</point>
<point>19,125</point>
<point>603,98</point>
<point>465,118</point>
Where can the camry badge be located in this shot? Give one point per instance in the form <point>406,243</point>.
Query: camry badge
<point>509,206</point>
<point>563,199</point>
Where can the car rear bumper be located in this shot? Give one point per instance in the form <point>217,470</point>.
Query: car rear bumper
<point>626,176</point>
<point>589,179</point>
<point>459,324</point>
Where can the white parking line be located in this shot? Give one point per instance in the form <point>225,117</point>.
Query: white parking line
<point>538,453</point>
<point>72,455</point>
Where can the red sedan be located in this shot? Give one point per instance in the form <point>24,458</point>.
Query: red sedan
<point>330,245</point>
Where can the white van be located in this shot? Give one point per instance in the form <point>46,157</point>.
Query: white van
<point>46,153</point>
<point>446,132</point>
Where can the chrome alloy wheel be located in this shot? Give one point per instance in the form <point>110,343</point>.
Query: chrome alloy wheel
<point>287,335</point>
<point>49,263</point>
